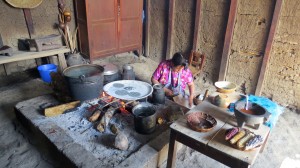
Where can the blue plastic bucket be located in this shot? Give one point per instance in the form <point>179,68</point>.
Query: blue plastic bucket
<point>45,71</point>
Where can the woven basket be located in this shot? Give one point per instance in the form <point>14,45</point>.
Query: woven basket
<point>24,3</point>
<point>201,122</point>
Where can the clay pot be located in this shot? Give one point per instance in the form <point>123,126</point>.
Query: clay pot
<point>221,100</point>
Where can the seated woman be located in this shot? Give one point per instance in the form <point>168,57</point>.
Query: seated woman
<point>174,75</point>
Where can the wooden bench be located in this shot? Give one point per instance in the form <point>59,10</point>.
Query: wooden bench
<point>25,55</point>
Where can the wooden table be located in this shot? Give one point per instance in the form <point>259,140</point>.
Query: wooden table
<point>212,143</point>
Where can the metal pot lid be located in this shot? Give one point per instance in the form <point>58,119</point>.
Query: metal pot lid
<point>110,69</point>
<point>128,89</point>
<point>85,70</point>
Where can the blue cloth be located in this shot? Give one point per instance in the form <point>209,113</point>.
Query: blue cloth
<point>273,108</point>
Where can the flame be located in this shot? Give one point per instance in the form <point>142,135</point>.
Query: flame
<point>106,97</point>
<point>123,107</point>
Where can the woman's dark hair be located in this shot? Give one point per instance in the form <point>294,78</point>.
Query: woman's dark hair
<point>179,60</point>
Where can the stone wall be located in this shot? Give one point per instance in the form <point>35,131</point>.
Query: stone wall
<point>13,27</point>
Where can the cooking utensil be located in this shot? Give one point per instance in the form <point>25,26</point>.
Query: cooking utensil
<point>111,73</point>
<point>85,81</point>
<point>158,95</point>
<point>254,116</point>
<point>144,118</point>
<point>128,89</point>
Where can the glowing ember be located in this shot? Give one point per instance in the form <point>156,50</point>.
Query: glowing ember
<point>123,108</point>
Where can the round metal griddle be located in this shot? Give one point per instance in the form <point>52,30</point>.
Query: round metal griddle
<point>128,89</point>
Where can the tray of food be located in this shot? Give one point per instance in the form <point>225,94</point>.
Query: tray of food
<point>201,122</point>
<point>243,139</point>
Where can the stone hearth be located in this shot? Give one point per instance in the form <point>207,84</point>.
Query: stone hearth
<point>74,140</point>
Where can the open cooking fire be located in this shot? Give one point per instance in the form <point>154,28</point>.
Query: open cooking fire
<point>106,101</point>
<point>106,107</point>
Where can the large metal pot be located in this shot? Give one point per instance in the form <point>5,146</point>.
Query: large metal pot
<point>85,81</point>
<point>111,73</point>
<point>144,118</point>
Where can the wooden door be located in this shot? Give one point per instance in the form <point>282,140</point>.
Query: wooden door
<point>82,27</point>
<point>102,27</point>
<point>130,25</point>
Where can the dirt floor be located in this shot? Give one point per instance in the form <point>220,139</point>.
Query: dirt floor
<point>19,148</point>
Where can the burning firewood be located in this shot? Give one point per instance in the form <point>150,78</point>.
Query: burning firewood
<point>95,116</point>
<point>105,119</point>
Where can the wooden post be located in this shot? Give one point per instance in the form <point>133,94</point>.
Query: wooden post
<point>228,38</point>
<point>170,40</point>
<point>147,28</point>
<point>29,22</point>
<point>197,25</point>
<point>268,48</point>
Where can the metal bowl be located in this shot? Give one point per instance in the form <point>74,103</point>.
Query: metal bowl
<point>225,86</point>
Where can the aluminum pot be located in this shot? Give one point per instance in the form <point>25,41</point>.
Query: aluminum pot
<point>144,118</point>
<point>128,72</point>
<point>111,73</point>
<point>85,81</point>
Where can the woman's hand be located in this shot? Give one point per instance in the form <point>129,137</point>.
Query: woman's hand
<point>168,92</point>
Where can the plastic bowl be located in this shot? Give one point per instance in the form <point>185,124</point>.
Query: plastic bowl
<point>225,86</point>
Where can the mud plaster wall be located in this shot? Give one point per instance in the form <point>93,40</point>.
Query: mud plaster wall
<point>214,15</point>
<point>184,26</point>
<point>158,29</point>
<point>282,81</point>
<point>251,30</point>
<point>13,27</point>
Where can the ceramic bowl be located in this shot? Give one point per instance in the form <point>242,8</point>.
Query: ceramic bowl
<point>225,86</point>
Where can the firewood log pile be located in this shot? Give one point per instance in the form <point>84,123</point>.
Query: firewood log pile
<point>105,109</point>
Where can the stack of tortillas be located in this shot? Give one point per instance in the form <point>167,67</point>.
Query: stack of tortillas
<point>24,3</point>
